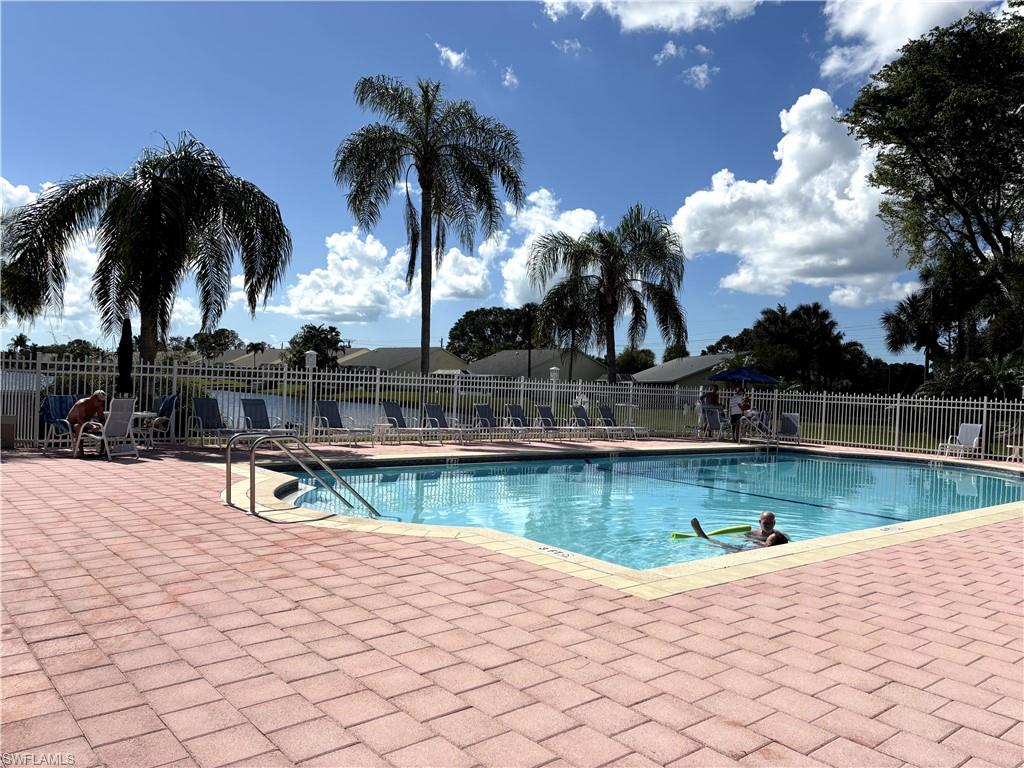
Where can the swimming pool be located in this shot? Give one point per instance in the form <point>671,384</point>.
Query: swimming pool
<point>622,509</point>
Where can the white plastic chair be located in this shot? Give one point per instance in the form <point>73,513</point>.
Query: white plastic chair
<point>967,441</point>
<point>117,430</point>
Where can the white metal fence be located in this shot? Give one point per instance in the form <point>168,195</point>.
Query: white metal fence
<point>868,421</point>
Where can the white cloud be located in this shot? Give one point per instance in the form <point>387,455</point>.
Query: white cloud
<point>814,223</point>
<point>509,79</point>
<point>703,50</point>
<point>539,216</point>
<point>668,15</point>
<point>699,76</point>
<point>571,47</point>
<point>13,196</point>
<point>669,51</point>
<point>454,60</point>
<point>361,282</point>
<point>875,30</point>
<point>186,316</point>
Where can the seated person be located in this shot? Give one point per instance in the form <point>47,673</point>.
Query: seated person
<point>84,412</point>
<point>767,531</point>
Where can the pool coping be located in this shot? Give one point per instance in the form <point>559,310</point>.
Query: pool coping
<point>276,493</point>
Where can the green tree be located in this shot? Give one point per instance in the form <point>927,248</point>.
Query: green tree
<point>632,360</point>
<point>255,348</point>
<point>178,211</point>
<point>910,324</point>
<point>566,317</point>
<point>947,118</point>
<point>673,351</point>
<point>455,152</point>
<point>617,272</point>
<point>326,341</point>
<point>81,349</point>
<point>19,344</point>
<point>482,332</point>
<point>216,343</point>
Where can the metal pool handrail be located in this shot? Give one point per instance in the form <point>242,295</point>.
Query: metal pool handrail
<point>258,438</point>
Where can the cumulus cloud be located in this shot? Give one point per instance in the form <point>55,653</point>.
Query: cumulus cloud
<point>362,282</point>
<point>667,15</point>
<point>452,59</point>
<point>15,195</point>
<point>703,50</point>
<point>571,47</point>
<point>509,79</point>
<point>669,51</point>
<point>540,215</point>
<point>873,31</point>
<point>699,76</point>
<point>814,223</point>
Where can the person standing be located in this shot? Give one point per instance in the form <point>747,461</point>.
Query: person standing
<point>738,403</point>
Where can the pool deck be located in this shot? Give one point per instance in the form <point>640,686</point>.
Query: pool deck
<point>144,623</point>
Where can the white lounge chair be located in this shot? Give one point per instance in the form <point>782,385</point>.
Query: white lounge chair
<point>712,424</point>
<point>116,431</point>
<point>966,442</point>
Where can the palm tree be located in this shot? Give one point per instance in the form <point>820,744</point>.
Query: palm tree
<point>565,317</point>
<point>178,211</point>
<point>18,344</point>
<point>910,324</point>
<point>455,152</point>
<point>616,272</point>
<point>256,348</point>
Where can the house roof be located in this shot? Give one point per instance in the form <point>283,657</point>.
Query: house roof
<point>402,358</point>
<point>680,368</point>
<point>513,362</point>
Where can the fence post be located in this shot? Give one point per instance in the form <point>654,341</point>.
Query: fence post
<point>376,398</point>
<point>39,388</point>
<point>897,425</point>
<point>180,402</point>
<point>309,403</point>
<point>821,428</point>
<point>675,412</point>
<point>984,426</point>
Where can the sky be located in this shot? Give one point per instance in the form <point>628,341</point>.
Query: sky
<point>720,115</point>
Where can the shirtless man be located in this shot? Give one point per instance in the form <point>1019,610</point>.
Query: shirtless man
<point>82,414</point>
<point>766,535</point>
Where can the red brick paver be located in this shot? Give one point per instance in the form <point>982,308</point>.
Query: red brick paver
<point>145,624</point>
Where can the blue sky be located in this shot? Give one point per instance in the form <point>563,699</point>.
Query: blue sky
<point>770,209</point>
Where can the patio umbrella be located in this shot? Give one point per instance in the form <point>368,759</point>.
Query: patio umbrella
<point>743,375</point>
<point>125,352</point>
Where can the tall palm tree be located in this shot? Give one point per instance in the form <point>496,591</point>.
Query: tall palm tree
<point>910,325</point>
<point>455,152</point>
<point>178,211</point>
<point>256,348</point>
<point>816,334</point>
<point>616,272</point>
<point>567,318</point>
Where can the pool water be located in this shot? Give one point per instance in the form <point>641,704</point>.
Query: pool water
<point>622,510</point>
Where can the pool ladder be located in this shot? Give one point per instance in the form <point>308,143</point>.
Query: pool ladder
<point>258,438</point>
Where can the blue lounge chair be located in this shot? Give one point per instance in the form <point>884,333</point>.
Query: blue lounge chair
<point>162,423</point>
<point>395,424</point>
<point>436,419</point>
<point>257,420</point>
<point>608,420</point>
<point>516,418</point>
<point>207,422</point>
<point>330,422</point>
<point>55,410</point>
<point>547,422</point>
<point>489,424</point>
<point>789,427</point>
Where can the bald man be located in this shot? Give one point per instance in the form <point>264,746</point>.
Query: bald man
<point>766,535</point>
<point>82,414</point>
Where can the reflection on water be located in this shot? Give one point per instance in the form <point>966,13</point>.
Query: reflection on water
<point>622,510</point>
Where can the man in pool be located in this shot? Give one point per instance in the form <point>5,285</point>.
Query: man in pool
<point>771,539</point>
<point>766,535</point>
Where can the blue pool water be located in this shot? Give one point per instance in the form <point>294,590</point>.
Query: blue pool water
<point>622,510</point>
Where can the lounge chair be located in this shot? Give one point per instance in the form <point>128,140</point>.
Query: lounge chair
<point>437,420</point>
<point>161,424</point>
<point>117,430</point>
<point>395,423</point>
<point>548,423</point>
<point>581,418</point>
<point>257,419</point>
<point>207,422</point>
<point>964,443</point>
<point>55,410</point>
<point>515,416</point>
<point>487,422</point>
<point>755,425</point>
<point>330,422</point>
<point>789,427</point>
<point>608,420</point>
<point>712,424</point>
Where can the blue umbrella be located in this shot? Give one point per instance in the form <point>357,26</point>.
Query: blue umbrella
<point>743,375</point>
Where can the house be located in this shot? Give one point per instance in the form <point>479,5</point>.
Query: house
<point>400,360</point>
<point>513,363</point>
<point>684,371</point>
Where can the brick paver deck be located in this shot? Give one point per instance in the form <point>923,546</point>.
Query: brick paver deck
<point>145,624</point>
